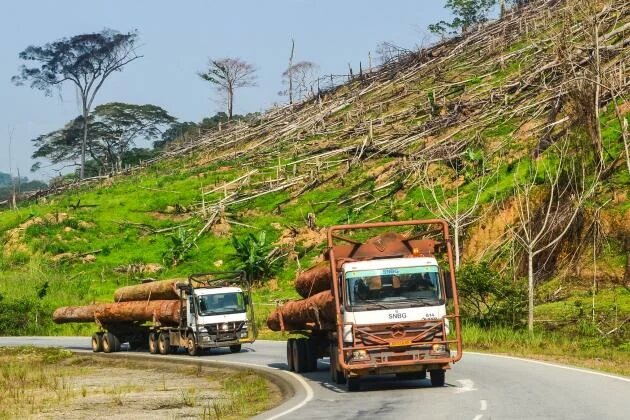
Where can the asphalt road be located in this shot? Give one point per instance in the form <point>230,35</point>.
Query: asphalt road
<point>478,387</point>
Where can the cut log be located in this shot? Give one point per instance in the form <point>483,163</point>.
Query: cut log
<point>315,312</point>
<point>166,312</point>
<point>76,313</point>
<point>155,290</point>
<point>314,280</point>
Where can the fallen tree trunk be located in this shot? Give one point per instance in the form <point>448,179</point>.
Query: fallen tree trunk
<point>163,311</point>
<point>155,290</point>
<point>314,280</point>
<point>315,312</point>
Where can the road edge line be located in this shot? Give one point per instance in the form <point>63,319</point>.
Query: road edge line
<point>556,365</point>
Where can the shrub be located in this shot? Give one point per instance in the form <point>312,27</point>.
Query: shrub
<point>257,257</point>
<point>490,299</point>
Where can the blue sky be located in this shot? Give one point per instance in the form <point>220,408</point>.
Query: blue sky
<point>176,40</point>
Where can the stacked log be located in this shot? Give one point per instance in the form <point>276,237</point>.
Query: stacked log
<point>167,312</point>
<point>155,290</point>
<point>314,280</point>
<point>315,312</point>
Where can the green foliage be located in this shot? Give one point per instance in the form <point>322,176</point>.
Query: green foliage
<point>181,244</point>
<point>256,256</point>
<point>488,298</point>
<point>468,13</point>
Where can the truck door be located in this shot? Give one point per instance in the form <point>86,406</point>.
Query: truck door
<point>190,312</point>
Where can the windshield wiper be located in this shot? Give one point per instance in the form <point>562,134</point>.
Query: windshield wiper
<point>375,303</point>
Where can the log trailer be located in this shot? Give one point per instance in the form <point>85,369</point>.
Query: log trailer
<point>212,310</point>
<point>390,299</point>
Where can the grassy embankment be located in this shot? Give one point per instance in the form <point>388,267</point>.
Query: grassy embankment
<point>50,382</point>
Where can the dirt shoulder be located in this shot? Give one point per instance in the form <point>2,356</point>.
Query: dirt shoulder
<point>54,383</point>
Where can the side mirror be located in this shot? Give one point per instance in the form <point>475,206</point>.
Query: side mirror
<point>246,299</point>
<point>447,285</point>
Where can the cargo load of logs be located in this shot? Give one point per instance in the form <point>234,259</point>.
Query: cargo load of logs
<point>156,301</point>
<point>315,311</point>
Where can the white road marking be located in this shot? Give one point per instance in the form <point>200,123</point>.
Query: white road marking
<point>478,417</point>
<point>484,405</point>
<point>309,397</point>
<point>467,386</point>
<point>592,372</point>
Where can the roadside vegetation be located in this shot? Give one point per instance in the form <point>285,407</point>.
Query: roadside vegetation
<point>51,382</point>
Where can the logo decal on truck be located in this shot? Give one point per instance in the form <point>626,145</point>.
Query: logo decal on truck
<point>397,315</point>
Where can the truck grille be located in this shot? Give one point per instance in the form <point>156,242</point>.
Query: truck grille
<point>416,333</point>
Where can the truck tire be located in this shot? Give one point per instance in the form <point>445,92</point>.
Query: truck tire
<point>191,346</point>
<point>164,343</point>
<point>354,383</point>
<point>438,377</point>
<point>299,355</point>
<point>290,361</point>
<point>97,342</point>
<point>336,376</point>
<point>310,355</point>
<point>153,343</point>
<point>235,348</point>
<point>111,343</point>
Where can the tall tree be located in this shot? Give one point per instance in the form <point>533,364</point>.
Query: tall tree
<point>468,14</point>
<point>229,74</point>
<point>85,60</point>
<point>114,129</point>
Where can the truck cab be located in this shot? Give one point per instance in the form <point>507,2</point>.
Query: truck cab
<point>218,315</point>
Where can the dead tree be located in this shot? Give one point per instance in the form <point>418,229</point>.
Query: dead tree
<point>543,223</point>
<point>452,208</point>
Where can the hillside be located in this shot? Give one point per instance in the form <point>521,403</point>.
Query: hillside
<point>500,97</point>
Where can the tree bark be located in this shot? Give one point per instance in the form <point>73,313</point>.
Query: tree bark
<point>155,290</point>
<point>86,112</point>
<point>456,238</point>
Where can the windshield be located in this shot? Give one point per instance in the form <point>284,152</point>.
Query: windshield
<point>221,303</point>
<point>391,287</point>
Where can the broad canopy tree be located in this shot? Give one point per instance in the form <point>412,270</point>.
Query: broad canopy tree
<point>113,130</point>
<point>85,60</point>
<point>467,14</point>
<point>228,75</point>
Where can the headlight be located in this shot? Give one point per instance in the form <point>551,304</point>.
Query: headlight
<point>360,355</point>
<point>244,334</point>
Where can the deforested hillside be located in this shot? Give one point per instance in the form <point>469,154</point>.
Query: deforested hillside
<point>524,113</point>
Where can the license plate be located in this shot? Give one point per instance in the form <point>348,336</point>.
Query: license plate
<point>400,343</point>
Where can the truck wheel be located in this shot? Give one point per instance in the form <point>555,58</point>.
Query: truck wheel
<point>97,342</point>
<point>153,345</point>
<point>236,348</point>
<point>299,355</point>
<point>354,383</point>
<point>336,376</point>
<point>111,343</point>
<point>164,343</point>
<point>437,377</point>
<point>310,357</point>
<point>290,361</point>
<point>191,346</point>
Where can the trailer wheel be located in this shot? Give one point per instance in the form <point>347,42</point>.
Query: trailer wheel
<point>354,383</point>
<point>153,345</point>
<point>299,355</point>
<point>235,348</point>
<point>191,346</point>
<point>164,343</point>
<point>290,361</point>
<point>438,377</point>
<point>336,376</point>
<point>111,343</point>
<point>97,342</point>
<point>311,356</point>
